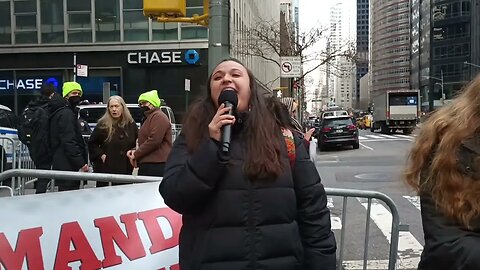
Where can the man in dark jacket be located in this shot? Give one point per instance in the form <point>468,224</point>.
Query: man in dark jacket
<point>38,149</point>
<point>66,141</point>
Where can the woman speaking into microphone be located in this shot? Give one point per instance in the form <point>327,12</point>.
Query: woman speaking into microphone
<point>244,205</point>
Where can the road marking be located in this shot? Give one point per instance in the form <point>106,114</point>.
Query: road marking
<point>362,138</point>
<point>336,222</point>
<point>405,136</point>
<point>367,147</point>
<point>388,136</point>
<point>374,136</point>
<point>377,264</point>
<point>409,249</point>
<point>415,200</point>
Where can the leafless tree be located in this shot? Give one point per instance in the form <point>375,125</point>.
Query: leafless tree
<point>271,40</point>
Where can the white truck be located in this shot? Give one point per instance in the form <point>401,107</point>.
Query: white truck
<point>393,110</point>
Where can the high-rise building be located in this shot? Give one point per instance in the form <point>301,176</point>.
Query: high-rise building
<point>126,53</point>
<point>341,72</point>
<point>451,45</point>
<point>420,49</point>
<point>362,47</point>
<point>445,48</point>
<point>390,45</point>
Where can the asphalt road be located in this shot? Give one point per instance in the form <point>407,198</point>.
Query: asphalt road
<point>378,165</point>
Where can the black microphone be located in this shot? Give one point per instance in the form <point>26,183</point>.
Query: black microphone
<point>228,97</point>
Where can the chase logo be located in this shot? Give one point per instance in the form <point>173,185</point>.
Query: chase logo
<point>192,57</point>
<point>52,81</point>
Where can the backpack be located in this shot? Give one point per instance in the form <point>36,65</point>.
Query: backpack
<point>33,131</point>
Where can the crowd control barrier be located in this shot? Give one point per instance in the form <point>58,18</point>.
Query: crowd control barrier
<point>351,193</point>
<point>15,155</point>
<point>116,227</point>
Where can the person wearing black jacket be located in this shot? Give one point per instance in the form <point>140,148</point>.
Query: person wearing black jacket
<point>444,169</point>
<point>248,209</point>
<point>38,149</point>
<point>66,141</point>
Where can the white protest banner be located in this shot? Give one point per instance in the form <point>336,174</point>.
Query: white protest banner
<point>119,227</point>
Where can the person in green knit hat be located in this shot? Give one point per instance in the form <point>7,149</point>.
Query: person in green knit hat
<point>154,137</point>
<point>66,142</point>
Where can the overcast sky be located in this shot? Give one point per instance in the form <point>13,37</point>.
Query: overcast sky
<point>313,13</point>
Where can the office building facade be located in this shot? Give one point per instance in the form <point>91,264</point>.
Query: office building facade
<point>362,47</point>
<point>126,53</point>
<point>390,45</point>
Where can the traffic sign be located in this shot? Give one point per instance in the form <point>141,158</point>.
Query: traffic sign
<point>290,67</point>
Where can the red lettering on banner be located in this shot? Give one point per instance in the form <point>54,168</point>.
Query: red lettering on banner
<point>130,244</point>
<point>155,233</point>
<point>28,246</point>
<point>72,233</point>
<point>175,267</point>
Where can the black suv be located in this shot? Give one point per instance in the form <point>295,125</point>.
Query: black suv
<point>337,131</point>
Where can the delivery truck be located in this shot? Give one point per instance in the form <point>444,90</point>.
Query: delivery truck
<point>396,110</point>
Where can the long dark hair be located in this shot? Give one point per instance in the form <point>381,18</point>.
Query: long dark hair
<point>261,132</point>
<point>280,112</point>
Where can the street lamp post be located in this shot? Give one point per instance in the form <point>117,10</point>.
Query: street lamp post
<point>470,64</point>
<point>441,83</point>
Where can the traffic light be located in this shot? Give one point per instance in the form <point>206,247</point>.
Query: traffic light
<point>164,8</point>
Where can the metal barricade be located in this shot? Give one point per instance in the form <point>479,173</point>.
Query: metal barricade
<point>346,193</point>
<point>78,176</point>
<point>9,150</point>
<point>15,155</point>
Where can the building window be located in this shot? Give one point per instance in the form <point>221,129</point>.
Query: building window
<point>134,23</point>
<point>25,21</point>
<point>194,31</point>
<point>52,21</point>
<point>164,31</point>
<point>5,26</point>
<point>79,21</point>
<point>107,20</point>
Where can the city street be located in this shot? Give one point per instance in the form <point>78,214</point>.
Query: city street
<point>377,165</point>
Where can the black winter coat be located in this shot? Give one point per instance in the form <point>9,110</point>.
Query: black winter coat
<point>448,246</point>
<point>38,148</point>
<point>66,141</point>
<point>232,223</point>
<point>123,139</point>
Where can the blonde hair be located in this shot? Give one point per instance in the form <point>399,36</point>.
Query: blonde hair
<point>109,123</point>
<point>432,165</point>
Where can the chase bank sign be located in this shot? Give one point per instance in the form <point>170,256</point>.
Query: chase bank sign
<point>26,84</point>
<point>189,57</point>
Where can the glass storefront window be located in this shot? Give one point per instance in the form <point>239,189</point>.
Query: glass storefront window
<point>193,31</point>
<point>80,21</point>
<point>52,21</point>
<point>26,22</point>
<point>107,20</point>
<point>164,31</point>
<point>77,5</point>
<point>132,4</point>
<point>5,25</point>
<point>135,25</point>
<point>79,36</point>
<point>26,37</point>
<point>25,6</point>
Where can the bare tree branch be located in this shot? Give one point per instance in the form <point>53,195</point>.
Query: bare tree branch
<point>269,41</point>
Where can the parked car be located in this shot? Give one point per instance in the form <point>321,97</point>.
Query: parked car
<point>330,113</point>
<point>337,131</point>
<point>92,112</point>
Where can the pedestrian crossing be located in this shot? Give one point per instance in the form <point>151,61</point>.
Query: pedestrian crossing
<point>409,248</point>
<point>385,137</point>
